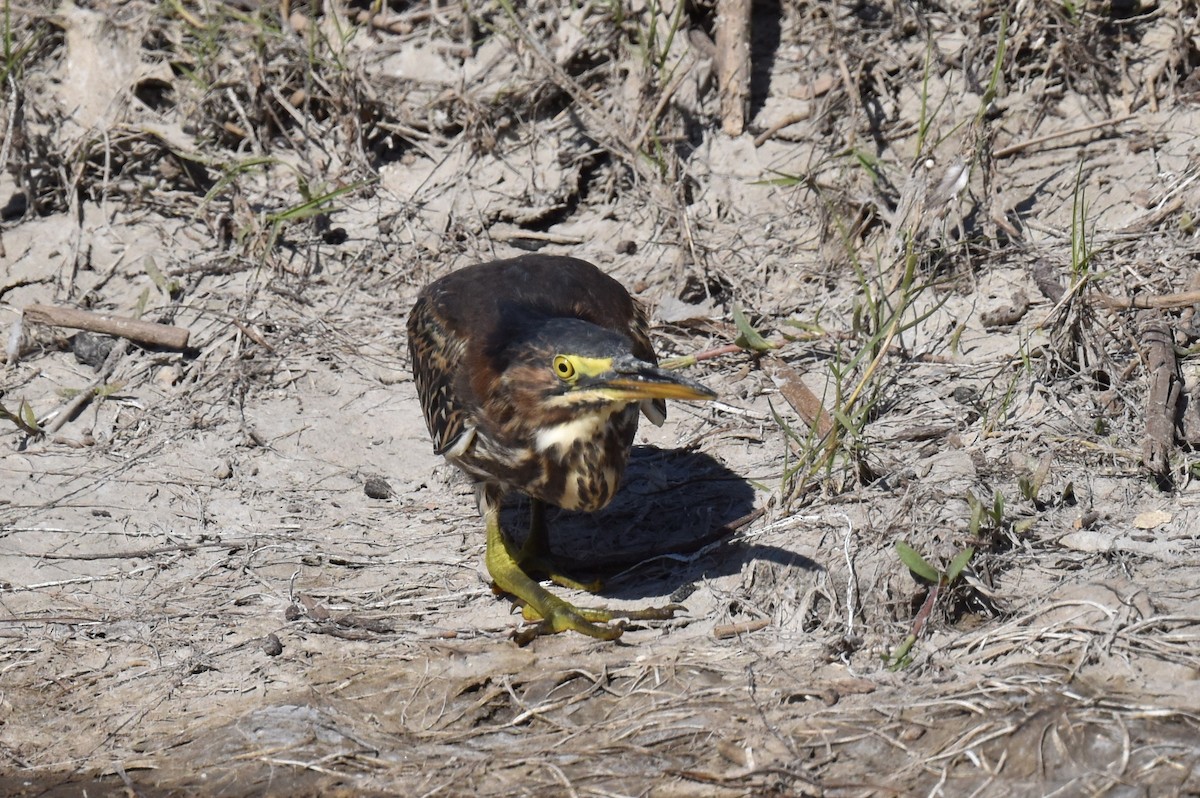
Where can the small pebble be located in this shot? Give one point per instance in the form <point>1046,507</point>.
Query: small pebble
<point>377,487</point>
<point>272,646</point>
<point>91,349</point>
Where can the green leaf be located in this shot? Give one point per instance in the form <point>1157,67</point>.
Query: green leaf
<point>1023,526</point>
<point>902,658</point>
<point>782,179</point>
<point>156,276</point>
<point>976,522</point>
<point>30,426</point>
<point>676,363</point>
<point>998,509</point>
<point>807,326</point>
<point>1027,489</point>
<point>748,337</point>
<point>231,172</point>
<point>788,430</point>
<point>868,162</point>
<point>109,389</point>
<point>916,563</point>
<point>29,416</point>
<point>958,564</point>
<point>314,205</point>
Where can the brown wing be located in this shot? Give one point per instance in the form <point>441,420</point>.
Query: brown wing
<point>436,354</point>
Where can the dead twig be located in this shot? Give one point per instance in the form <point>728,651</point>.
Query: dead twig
<point>147,333</point>
<point>687,361</point>
<point>1013,149</point>
<point>806,403</point>
<point>131,554</point>
<point>1147,302</point>
<point>1162,400</point>
<point>72,408</point>
<point>733,63</point>
<point>1154,218</point>
<point>534,235</point>
<point>734,629</point>
<point>786,121</point>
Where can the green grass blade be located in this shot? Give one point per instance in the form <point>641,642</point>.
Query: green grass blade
<point>916,563</point>
<point>959,563</point>
<point>748,337</point>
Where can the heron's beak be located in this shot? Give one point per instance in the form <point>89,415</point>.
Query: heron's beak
<point>634,380</point>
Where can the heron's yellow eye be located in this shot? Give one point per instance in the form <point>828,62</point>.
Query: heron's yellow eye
<point>563,367</point>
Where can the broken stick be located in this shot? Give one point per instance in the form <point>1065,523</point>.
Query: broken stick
<point>147,333</point>
<point>733,63</point>
<point>1147,301</point>
<point>1162,399</point>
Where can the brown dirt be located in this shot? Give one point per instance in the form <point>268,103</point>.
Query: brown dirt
<point>198,596</point>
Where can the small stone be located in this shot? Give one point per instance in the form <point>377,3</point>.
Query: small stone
<point>376,487</point>
<point>965,395</point>
<point>335,236</point>
<point>91,349</point>
<point>1152,519</point>
<point>167,377</point>
<point>272,646</point>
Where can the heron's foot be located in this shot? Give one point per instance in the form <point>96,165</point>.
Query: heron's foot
<point>549,613</point>
<point>599,622</point>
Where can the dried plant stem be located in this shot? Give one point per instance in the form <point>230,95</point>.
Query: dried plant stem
<point>1162,400</point>
<point>806,403</point>
<point>1013,149</point>
<point>1161,301</point>
<point>143,332</point>
<point>734,629</point>
<point>72,408</point>
<point>733,63</point>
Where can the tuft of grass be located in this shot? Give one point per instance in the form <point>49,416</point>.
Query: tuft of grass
<point>655,45</point>
<point>260,235</point>
<point>1081,251</point>
<point>748,337</point>
<point>986,520</point>
<point>24,418</point>
<point>15,53</point>
<point>881,315</point>
<point>940,582</point>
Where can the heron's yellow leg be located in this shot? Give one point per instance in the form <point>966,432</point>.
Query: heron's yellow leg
<point>534,556</point>
<point>555,614</point>
<point>550,613</point>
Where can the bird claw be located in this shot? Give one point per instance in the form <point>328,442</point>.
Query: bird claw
<point>597,622</point>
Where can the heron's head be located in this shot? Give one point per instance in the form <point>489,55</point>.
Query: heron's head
<point>568,368</point>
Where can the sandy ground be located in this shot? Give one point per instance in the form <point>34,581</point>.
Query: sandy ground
<point>200,596</point>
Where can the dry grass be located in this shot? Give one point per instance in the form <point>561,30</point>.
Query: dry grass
<point>931,215</point>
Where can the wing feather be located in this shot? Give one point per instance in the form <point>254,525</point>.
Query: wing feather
<point>435,356</point>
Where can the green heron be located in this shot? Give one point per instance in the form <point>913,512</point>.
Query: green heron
<point>531,373</point>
